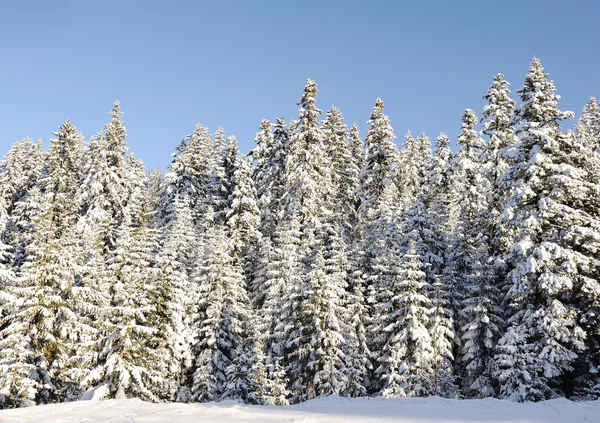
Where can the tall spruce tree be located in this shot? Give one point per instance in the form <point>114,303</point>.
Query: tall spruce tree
<point>44,323</point>
<point>548,212</point>
<point>222,316</point>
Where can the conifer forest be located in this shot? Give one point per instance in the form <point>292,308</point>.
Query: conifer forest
<point>323,262</point>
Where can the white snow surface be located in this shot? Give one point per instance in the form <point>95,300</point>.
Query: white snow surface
<point>331,409</point>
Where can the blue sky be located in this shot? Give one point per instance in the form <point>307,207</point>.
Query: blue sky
<point>233,63</point>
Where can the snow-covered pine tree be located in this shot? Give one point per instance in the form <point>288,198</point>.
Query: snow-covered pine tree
<point>548,213</point>
<point>308,182</point>
<point>189,176</point>
<point>44,321</point>
<point>469,271</point>
<point>379,169</point>
<point>324,331</point>
<point>223,312</point>
<point>283,289</point>
<point>379,196</point>
<point>261,156</point>
<point>269,176</point>
<point>358,356</point>
<point>358,157</point>
<point>305,207</point>
<point>248,377</point>
<point>437,197</point>
<point>585,382</point>
<point>174,298</point>
<point>20,195</point>
<point>124,363</point>
<point>436,218</point>
<point>459,246</point>
<point>104,190</point>
<point>405,363</point>
<point>495,160</point>
<point>222,180</point>
<point>416,161</point>
<point>242,217</point>
<point>345,171</point>
<point>588,126</point>
<point>417,227</point>
<point>498,127</point>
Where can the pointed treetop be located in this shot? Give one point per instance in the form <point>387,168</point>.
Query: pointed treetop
<point>308,113</point>
<point>441,149</point>
<point>498,111</point>
<point>265,125</point>
<point>116,110</point>
<point>469,138</point>
<point>469,120</point>
<point>539,100</point>
<point>442,144</point>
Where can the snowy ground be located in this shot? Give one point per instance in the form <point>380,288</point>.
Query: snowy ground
<point>332,409</point>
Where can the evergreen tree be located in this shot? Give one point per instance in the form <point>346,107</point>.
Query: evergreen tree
<point>104,191</point>
<point>471,273</point>
<point>222,315</point>
<point>174,298</point>
<point>307,170</point>
<point>588,126</point>
<point>345,171</point>
<point>416,163</point>
<point>545,208</point>
<point>44,322</point>
<point>124,362</point>
<point>324,330</point>
<point>284,287</point>
<point>189,176</point>
<point>20,196</point>
<point>495,161</point>
<point>405,363</point>
<point>379,168</point>
<point>243,216</point>
<point>222,184</point>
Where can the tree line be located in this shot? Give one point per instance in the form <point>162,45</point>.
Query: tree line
<point>320,263</point>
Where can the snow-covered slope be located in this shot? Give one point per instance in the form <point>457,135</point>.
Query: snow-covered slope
<point>331,409</point>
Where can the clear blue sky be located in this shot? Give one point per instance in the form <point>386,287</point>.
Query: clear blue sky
<point>233,63</point>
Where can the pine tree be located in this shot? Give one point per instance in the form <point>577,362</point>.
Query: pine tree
<point>545,208</point>
<point>324,331</point>
<point>222,314</point>
<point>21,169</point>
<point>124,362</point>
<point>416,162</point>
<point>174,298</point>
<point>495,160</point>
<point>405,364</point>
<point>104,192</point>
<point>439,182</point>
<point>379,165</point>
<point>247,376</point>
<point>189,176</point>
<point>345,171</point>
<point>479,316</point>
<point>20,196</point>
<point>243,216</point>
<point>308,172</point>
<point>44,320</point>
<point>284,286</point>
<point>222,180</point>
<point>588,126</point>
<point>270,154</point>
